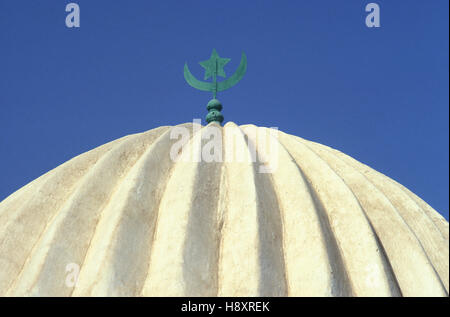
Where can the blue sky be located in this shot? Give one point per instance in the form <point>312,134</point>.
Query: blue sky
<point>314,70</point>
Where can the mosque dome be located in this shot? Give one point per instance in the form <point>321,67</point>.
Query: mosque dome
<point>144,216</point>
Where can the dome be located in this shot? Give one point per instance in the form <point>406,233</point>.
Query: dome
<point>144,216</point>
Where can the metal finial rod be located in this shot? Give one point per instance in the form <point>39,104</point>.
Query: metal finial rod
<point>214,68</point>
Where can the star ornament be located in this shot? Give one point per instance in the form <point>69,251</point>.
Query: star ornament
<point>214,65</point>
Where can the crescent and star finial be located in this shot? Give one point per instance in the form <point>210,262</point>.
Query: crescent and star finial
<point>214,68</point>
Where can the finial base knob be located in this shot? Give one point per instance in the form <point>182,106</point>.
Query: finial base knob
<point>214,106</point>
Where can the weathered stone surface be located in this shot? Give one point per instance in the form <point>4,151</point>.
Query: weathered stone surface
<point>139,224</point>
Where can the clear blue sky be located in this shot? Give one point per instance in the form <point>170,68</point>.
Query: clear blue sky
<point>314,70</point>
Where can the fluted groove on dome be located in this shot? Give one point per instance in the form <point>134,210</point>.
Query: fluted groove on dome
<point>138,223</point>
<point>383,218</point>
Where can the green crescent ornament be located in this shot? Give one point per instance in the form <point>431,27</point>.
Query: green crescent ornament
<point>214,68</point>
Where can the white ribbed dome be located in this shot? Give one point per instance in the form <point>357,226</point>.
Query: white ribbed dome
<point>138,223</point>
